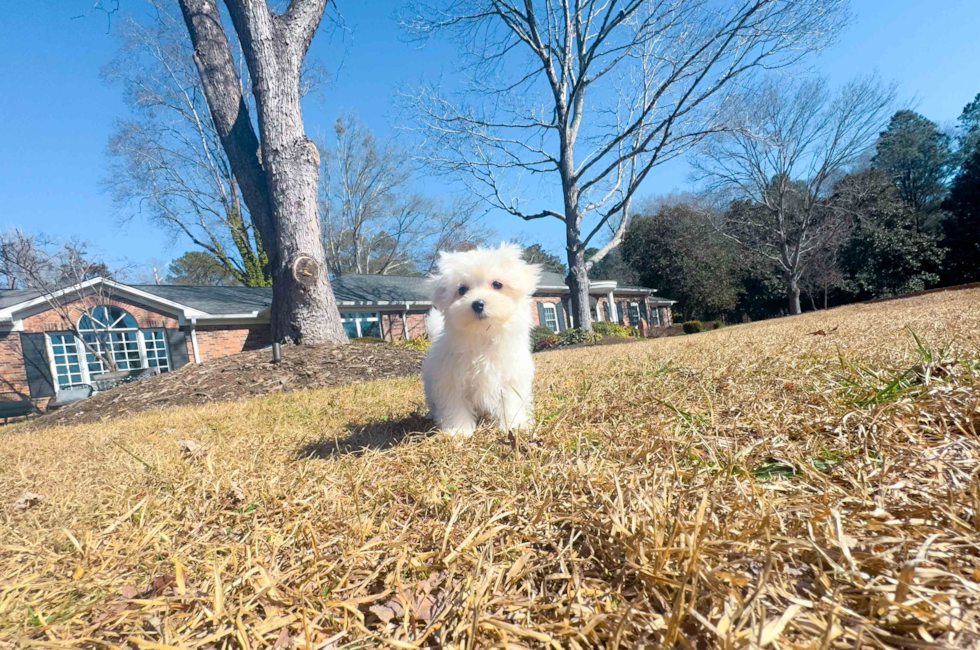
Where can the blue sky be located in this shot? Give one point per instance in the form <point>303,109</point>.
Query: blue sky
<point>56,114</point>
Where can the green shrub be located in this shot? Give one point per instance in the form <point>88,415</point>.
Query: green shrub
<point>693,327</point>
<point>608,328</point>
<point>717,325</point>
<point>576,335</point>
<point>545,343</point>
<point>537,332</point>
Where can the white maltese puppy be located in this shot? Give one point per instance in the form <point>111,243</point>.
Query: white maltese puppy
<point>480,359</point>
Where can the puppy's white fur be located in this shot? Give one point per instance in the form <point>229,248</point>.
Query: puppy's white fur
<point>480,363</point>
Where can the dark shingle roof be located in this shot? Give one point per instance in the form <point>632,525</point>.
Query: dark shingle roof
<point>213,300</point>
<point>241,300</point>
<point>549,279</point>
<point>378,288</point>
<point>245,300</point>
<point>11,297</point>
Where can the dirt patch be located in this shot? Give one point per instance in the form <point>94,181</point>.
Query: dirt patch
<point>241,376</point>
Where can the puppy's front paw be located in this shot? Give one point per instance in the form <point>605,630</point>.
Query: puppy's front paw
<point>522,425</point>
<point>459,430</point>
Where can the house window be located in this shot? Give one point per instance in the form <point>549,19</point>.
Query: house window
<point>112,333</point>
<point>550,316</point>
<point>67,364</point>
<point>155,345</point>
<point>655,317</point>
<point>358,325</point>
<point>634,313</point>
<point>107,333</point>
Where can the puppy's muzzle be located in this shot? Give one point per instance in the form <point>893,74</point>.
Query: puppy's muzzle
<point>479,308</point>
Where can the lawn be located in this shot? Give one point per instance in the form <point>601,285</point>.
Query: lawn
<point>805,482</point>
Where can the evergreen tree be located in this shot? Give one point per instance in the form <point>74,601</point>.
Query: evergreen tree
<point>612,267</point>
<point>916,156</point>
<point>886,253</point>
<point>961,228</point>
<point>535,254</point>
<point>680,253</point>
<point>198,268</point>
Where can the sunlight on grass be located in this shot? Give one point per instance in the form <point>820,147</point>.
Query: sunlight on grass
<point>820,489</point>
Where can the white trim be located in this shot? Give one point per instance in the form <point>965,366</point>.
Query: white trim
<point>123,289</point>
<point>554,310</point>
<point>613,316</point>
<point>197,353</point>
<point>207,320</point>
<point>603,284</point>
<point>629,309</point>
<point>408,335</point>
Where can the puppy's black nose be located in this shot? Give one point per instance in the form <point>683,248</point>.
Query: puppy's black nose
<point>478,306</point>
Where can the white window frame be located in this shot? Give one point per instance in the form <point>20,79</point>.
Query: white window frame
<point>358,316</point>
<point>655,316</point>
<point>631,307</point>
<point>52,362</point>
<point>554,315</point>
<point>82,351</point>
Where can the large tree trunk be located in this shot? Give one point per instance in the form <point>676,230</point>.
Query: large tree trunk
<point>578,283</point>
<point>793,295</point>
<point>279,178</point>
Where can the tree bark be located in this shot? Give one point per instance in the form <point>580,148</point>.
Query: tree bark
<point>578,284</point>
<point>278,171</point>
<point>793,295</point>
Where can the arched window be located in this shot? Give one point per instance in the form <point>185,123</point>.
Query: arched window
<point>108,336</point>
<point>113,333</point>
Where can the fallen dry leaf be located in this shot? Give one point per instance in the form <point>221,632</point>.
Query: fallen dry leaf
<point>191,448</point>
<point>282,641</point>
<point>423,603</point>
<point>29,500</point>
<point>235,493</point>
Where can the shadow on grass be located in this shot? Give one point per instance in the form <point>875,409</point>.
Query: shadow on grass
<point>379,434</point>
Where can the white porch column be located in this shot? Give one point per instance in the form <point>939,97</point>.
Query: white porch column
<point>613,317</point>
<point>197,353</point>
<point>405,325</point>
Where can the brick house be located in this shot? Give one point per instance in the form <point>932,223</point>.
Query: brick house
<point>157,328</point>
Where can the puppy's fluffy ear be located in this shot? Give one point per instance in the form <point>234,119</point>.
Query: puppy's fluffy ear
<point>440,290</point>
<point>512,250</point>
<point>527,277</point>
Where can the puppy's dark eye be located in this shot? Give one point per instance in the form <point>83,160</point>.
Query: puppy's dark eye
<point>497,285</point>
<point>463,290</point>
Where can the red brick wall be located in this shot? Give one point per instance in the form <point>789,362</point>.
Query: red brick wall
<point>146,317</point>
<point>13,376</point>
<point>416,324</point>
<point>394,328</point>
<point>555,300</point>
<point>216,341</point>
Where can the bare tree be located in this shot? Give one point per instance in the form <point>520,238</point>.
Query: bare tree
<point>19,252</point>
<point>277,171</point>
<point>824,272</point>
<point>591,96</point>
<point>792,141</point>
<point>373,219</point>
<point>167,160</point>
<point>59,273</point>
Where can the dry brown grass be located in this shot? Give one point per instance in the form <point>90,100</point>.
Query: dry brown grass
<point>752,486</point>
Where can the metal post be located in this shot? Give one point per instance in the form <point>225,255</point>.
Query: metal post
<point>276,352</point>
